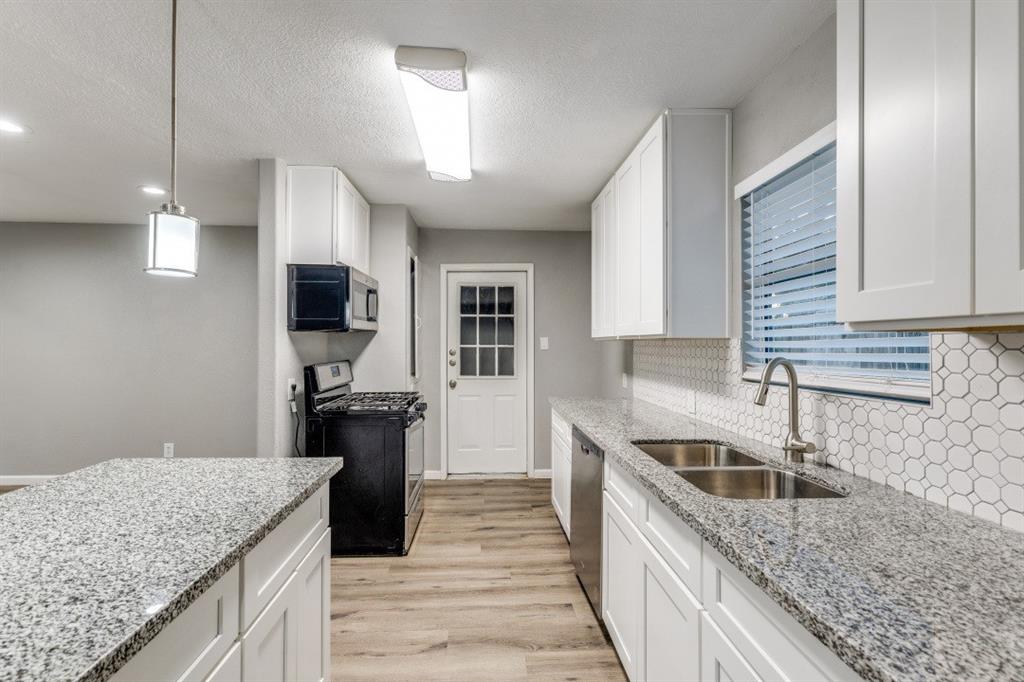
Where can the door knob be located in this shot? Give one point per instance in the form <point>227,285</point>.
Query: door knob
<point>451,362</point>
<point>451,352</point>
<point>451,384</point>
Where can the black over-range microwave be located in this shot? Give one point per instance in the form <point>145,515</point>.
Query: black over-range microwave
<point>330,298</point>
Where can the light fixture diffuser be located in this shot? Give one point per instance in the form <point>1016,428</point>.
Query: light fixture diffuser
<point>8,126</point>
<point>173,242</point>
<point>434,80</point>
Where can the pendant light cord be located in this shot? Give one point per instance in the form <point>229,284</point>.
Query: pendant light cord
<point>174,102</point>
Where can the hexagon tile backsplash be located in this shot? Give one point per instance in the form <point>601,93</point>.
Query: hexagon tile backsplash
<point>964,451</point>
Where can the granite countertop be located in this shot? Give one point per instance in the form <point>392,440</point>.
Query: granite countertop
<point>899,588</point>
<point>95,563</point>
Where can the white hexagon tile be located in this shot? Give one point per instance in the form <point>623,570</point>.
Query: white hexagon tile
<point>965,450</point>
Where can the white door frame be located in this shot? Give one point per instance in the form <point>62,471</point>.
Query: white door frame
<point>487,267</point>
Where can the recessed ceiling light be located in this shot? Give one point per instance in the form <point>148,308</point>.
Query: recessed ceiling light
<point>153,189</point>
<point>8,126</point>
<point>434,80</point>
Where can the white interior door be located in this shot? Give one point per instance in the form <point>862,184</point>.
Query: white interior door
<point>486,372</point>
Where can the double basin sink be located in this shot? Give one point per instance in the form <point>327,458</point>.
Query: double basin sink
<point>722,471</point>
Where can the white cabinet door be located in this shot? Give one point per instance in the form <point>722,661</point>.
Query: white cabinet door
<point>719,660</point>
<point>310,207</point>
<point>269,646</point>
<point>558,476</point>
<point>669,623</point>
<point>904,180</point>
<point>361,235</point>
<point>609,257</point>
<point>229,669</point>
<point>999,229</point>
<point>621,586</point>
<point>345,228</point>
<point>313,612</point>
<point>597,278</point>
<point>651,162</point>
<point>627,249</point>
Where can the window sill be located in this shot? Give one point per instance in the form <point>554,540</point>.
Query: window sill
<point>906,391</point>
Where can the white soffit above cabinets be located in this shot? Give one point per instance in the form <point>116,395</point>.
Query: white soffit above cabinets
<point>560,92</point>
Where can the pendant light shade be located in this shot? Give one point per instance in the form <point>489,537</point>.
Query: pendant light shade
<point>173,236</point>
<point>173,242</point>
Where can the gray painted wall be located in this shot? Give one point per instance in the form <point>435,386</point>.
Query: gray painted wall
<point>380,360</point>
<point>574,365</point>
<point>99,360</point>
<point>795,100</point>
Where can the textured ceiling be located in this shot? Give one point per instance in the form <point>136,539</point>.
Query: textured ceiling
<point>559,93</point>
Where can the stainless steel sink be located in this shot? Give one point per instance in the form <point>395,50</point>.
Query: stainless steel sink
<point>755,484</point>
<point>677,455</point>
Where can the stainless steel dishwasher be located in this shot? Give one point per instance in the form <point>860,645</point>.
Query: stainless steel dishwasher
<point>585,517</point>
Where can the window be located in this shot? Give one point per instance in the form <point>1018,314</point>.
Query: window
<point>487,331</point>
<point>789,292</point>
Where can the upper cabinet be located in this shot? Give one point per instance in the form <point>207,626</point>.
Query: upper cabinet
<point>929,232</point>
<point>660,233</point>
<point>602,266</point>
<point>328,219</point>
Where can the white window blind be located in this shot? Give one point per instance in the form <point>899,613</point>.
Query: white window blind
<point>789,293</point>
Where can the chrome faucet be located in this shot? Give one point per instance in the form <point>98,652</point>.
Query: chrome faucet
<point>795,447</point>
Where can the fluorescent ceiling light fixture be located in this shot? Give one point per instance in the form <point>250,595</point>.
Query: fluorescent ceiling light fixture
<point>153,189</point>
<point>8,126</point>
<point>434,80</point>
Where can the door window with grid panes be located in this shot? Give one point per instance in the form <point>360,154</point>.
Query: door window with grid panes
<point>487,325</point>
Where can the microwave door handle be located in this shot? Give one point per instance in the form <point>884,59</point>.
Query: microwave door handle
<point>371,304</point>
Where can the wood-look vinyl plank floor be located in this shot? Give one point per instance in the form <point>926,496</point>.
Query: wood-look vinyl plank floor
<point>486,594</point>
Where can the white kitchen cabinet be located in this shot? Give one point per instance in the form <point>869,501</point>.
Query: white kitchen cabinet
<point>928,178</point>
<point>265,619</point>
<point>675,609</point>
<point>999,119</point>
<point>191,645</point>
<point>269,647</point>
<point>603,262</point>
<point>561,469</point>
<point>669,623</point>
<point>667,273</point>
<point>719,659</point>
<point>328,219</point>
<point>352,228</point>
<point>313,613</point>
<point>621,588</point>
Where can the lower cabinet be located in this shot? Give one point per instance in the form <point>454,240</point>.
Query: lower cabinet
<point>621,588</point>
<point>669,622</point>
<point>289,640</point>
<point>720,660</point>
<point>283,635</point>
<point>677,611</point>
<point>561,469</point>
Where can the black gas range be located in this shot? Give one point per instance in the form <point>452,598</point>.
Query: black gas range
<point>377,498</point>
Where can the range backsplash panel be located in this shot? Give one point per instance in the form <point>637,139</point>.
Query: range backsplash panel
<point>964,451</point>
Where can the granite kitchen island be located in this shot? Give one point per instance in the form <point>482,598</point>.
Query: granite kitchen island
<point>161,567</point>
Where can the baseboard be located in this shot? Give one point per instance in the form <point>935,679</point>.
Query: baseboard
<point>25,479</point>
<point>433,475</point>
<point>542,473</point>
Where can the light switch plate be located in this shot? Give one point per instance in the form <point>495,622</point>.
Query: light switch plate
<point>544,345</point>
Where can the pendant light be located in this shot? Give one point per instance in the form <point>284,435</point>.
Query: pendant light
<point>173,235</point>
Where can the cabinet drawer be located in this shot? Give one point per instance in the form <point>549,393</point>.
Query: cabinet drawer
<point>192,644</point>
<point>561,427</point>
<point>719,659</point>
<point>677,543</point>
<point>622,488</point>
<point>230,667</point>
<point>769,639</point>
<point>266,568</point>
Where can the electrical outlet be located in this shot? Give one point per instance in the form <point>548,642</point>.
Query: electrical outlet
<point>292,386</point>
<point>625,380</point>
<point>168,449</point>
